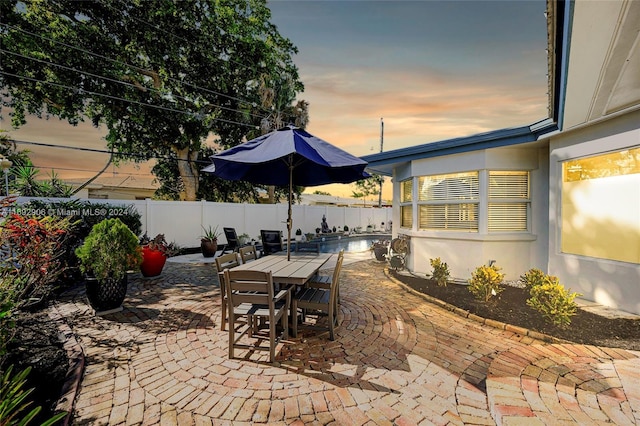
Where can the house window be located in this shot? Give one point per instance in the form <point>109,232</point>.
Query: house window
<point>600,199</point>
<point>448,202</point>
<point>509,201</point>
<point>406,206</point>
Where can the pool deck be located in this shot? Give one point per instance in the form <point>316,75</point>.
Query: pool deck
<point>397,359</point>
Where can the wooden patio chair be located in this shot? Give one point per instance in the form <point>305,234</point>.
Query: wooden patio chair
<point>251,295</point>
<point>224,261</point>
<point>317,297</point>
<point>248,253</point>
<point>324,281</point>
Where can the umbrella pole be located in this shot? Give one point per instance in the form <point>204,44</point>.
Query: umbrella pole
<point>289,218</point>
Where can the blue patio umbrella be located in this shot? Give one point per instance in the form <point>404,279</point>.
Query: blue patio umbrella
<point>288,156</point>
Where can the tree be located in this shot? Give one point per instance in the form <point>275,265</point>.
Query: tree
<point>211,187</point>
<point>277,95</point>
<point>368,186</point>
<point>161,75</point>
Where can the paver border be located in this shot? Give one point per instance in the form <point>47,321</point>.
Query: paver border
<point>486,321</point>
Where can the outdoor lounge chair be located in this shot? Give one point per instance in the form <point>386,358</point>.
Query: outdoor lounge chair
<point>318,297</point>
<point>271,241</point>
<point>232,240</point>
<point>251,294</point>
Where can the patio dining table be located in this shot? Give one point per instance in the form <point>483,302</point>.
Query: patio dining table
<point>296,271</point>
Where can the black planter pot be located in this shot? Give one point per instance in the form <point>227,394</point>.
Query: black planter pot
<point>107,294</point>
<point>380,252</point>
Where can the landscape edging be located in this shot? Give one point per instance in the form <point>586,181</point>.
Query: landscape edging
<point>75,355</point>
<point>466,314</point>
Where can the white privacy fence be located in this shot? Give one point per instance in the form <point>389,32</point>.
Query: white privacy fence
<point>182,221</point>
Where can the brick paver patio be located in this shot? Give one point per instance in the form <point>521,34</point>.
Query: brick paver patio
<point>397,360</point>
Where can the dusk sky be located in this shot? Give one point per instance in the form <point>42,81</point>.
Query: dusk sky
<point>432,69</point>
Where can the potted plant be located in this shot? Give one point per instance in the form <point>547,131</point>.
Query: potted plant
<point>209,241</point>
<point>106,255</point>
<point>155,253</point>
<point>298,234</point>
<point>380,249</point>
<point>243,239</point>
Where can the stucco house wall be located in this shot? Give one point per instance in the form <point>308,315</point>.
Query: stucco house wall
<point>609,282</point>
<point>514,252</point>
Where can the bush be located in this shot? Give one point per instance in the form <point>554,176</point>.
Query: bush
<point>109,250</point>
<point>440,271</point>
<point>31,267</point>
<point>84,215</point>
<point>486,282</point>
<point>14,401</point>
<point>533,278</point>
<point>553,301</point>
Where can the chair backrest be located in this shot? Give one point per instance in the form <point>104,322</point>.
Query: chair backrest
<point>338,267</point>
<point>226,261</point>
<point>232,238</point>
<point>334,289</point>
<point>249,287</point>
<point>223,262</point>
<point>271,241</point>
<point>307,247</point>
<point>248,253</point>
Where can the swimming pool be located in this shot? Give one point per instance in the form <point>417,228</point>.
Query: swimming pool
<point>355,243</point>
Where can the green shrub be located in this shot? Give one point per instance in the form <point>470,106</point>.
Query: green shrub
<point>440,271</point>
<point>533,278</point>
<point>109,250</point>
<point>84,215</point>
<point>14,402</point>
<point>7,323</point>
<point>486,282</point>
<point>553,301</point>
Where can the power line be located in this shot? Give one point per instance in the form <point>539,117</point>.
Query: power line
<point>197,115</point>
<point>69,169</point>
<point>139,69</point>
<point>116,81</point>
<point>103,151</point>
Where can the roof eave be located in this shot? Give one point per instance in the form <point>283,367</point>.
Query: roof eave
<point>384,162</point>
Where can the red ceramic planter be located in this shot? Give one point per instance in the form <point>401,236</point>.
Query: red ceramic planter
<point>152,262</point>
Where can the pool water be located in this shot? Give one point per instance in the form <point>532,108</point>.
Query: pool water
<point>349,244</point>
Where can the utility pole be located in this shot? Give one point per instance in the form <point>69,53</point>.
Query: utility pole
<point>381,143</point>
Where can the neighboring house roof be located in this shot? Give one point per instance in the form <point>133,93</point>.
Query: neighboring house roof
<point>330,200</point>
<point>123,181</point>
<point>384,162</point>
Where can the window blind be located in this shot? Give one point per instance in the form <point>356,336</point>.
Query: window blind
<point>406,216</point>
<point>504,184</point>
<point>455,186</point>
<point>406,191</point>
<point>452,217</point>
<point>505,217</point>
<point>508,208</point>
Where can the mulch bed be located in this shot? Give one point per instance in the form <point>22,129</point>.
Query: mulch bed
<point>510,307</point>
<point>37,344</point>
